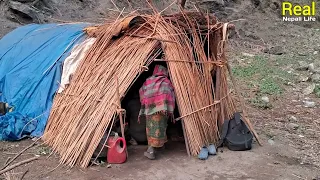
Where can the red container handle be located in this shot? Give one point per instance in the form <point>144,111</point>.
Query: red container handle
<point>117,143</point>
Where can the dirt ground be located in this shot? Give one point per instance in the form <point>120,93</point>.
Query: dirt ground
<point>290,131</point>
<point>276,161</point>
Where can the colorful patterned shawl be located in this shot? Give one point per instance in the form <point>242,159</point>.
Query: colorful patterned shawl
<point>157,94</point>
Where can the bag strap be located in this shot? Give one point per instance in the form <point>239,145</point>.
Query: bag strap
<point>246,142</point>
<point>237,118</point>
<point>225,128</point>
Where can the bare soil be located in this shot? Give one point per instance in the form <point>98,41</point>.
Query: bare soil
<point>277,161</point>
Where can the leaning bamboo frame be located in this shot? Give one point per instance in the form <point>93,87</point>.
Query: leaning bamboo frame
<point>122,51</point>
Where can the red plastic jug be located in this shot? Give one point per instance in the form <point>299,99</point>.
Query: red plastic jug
<point>116,153</point>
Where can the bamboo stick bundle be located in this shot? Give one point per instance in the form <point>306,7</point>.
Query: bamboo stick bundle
<point>200,127</point>
<point>190,88</point>
<point>82,114</point>
<point>217,54</point>
<point>84,120</point>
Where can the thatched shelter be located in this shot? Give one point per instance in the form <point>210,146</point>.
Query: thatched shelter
<point>193,46</point>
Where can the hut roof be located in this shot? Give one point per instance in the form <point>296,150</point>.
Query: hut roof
<point>192,45</point>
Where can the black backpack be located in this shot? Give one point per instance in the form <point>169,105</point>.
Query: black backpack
<point>236,135</point>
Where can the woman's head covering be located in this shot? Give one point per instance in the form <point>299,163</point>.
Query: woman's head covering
<point>160,70</point>
<point>157,93</point>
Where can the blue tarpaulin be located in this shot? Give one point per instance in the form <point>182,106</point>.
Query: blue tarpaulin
<point>30,71</point>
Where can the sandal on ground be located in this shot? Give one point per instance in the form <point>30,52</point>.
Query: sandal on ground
<point>212,149</point>
<point>204,153</point>
<point>150,153</point>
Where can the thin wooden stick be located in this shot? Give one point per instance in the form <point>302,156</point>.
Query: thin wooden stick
<point>215,103</point>
<point>245,115</point>
<point>17,155</point>
<point>200,62</point>
<point>222,47</point>
<point>106,140</point>
<point>120,111</point>
<point>183,3</point>
<point>7,160</point>
<point>50,171</point>
<point>24,174</point>
<point>185,138</point>
<point>18,164</point>
<point>148,37</point>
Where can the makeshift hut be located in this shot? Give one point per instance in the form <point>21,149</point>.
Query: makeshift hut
<point>68,80</point>
<point>193,46</point>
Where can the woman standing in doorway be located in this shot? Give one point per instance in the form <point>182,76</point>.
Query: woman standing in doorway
<point>157,106</point>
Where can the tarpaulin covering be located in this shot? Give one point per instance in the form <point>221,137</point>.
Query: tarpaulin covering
<point>71,63</point>
<point>30,72</point>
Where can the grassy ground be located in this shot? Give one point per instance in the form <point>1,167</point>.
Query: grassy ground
<point>263,77</point>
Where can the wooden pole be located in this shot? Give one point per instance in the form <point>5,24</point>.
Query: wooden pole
<point>245,115</point>
<point>16,156</point>
<point>119,108</point>
<point>120,113</point>
<point>24,174</point>
<point>18,164</point>
<point>215,103</point>
<point>183,3</point>
<point>186,141</point>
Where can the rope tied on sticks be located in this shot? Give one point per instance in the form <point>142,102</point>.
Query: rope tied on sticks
<point>144,68</point>
<point>121,111</point>
<point>220,63</point>
<point>213,104</point>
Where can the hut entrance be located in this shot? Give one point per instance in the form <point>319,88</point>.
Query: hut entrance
<point>136,131</point>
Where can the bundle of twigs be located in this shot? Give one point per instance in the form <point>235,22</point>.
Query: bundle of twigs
<point>191,72</point>
<point>190,43</point>
<point>11,175</point>
<point>81,115</point>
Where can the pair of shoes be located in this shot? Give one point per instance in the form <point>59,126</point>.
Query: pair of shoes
<point>206,151</point>
<point>212,149</point>
<point>150,153</point>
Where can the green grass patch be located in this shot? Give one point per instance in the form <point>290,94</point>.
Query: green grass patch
<point>270,86</point>
<point>263,74</point>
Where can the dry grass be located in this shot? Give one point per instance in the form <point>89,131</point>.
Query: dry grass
<point>11,175</point>
<point>190,43</point>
